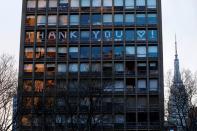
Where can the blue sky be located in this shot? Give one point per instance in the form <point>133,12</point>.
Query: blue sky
<point>179,16</point>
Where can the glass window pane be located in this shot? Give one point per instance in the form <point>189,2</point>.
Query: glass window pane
<point>119,67</point>
<point>153,85</point>
<point>63,20</point>
<point>152,51</point>
<point>107,52</point>
<point>29,37</point>
<point>73,67</point>
<point>63,3</point>
<point>118,19</point>
<point>85,35</point>
<point>118,52</point>
<point>141,51</point>
<point>129,4</point>
<point>42,4</point>
<point>151,3</point>
<point>96,3</point>
<point>118,35</point>
<point>141,35</point>
<point>119,85</point>
<point>96,35</point>
<point>85,19</point>
<point>129,35</point>
<point>74,35</point>
<point>52,19</point>
<point>118,2</point>
<point>31,4</point>
<point>39,52</point>
<point>62,51</point>
<point>41,20</point>
<point>107,3</point>
<point>28,67</point>
<point>96,19</point>
<point>61,68</point>
<point>74,19</point>
<point>30,21</point>
<point>39,85</point>
<point>85,3</point>
<point>73,52</point>
<point>141,84</point>
<point>84,52</point>
<point>152,19</point>
<point>39,68</point>
<point>74,3</point>
<point>52,3</point>
<point>51,52</point>
<point>152,35</point>
<point>130,50</point>
<point>96,53</point>
<point>140,19</point>
<point>107,19</point>
<point>27,85</point>
<point>84,67</point>
<point>129,19</point>
<point>140,2</point>
<point>96,67</point>
<point>29,53</point>
<point>107,35</point>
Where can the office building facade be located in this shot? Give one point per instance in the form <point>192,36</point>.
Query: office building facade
<point>91,65</point>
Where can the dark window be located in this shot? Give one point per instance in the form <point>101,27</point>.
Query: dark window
<point>85,19</point>
<point>119,52</point>
<point>96,53</point>
<point>96,19</point>
<point>140,19</point>
<point>107,52</point>
<point>84,52</point>
<point>152,19</point>
<point>85,35</point>
<point>129,35</point>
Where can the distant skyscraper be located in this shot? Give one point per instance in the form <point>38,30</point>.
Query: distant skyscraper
<point>91,65</point>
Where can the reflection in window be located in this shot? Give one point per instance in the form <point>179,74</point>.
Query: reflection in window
<point>26,120</point>
<point>49,102</point>
<point>74,19</point>
<point>27,102</point>
<point>29,37</point>
<point>140,19</point>
<point>74,3</point>
<point>85,19</point>
<point>85,3</point>
<point>96,19</point>
<point>63,3</point>
<point>42,4</point>
<point>119,85</point>
<point>107,3</point>
<point>63,20</point>
<point>28,68</point>
<point>152,19</point>
<point>141,51</point>
<point>130,50</point>
<point>118,2</point>
<point>107,52</point>
<point>129,19</point>
<point>73,67</point>
<point>84,67</point>
<point>37,102</point>
<point>51,52</point>
<point>129,35</point>
<point>96,3</point>
<point>152,51</point>
<point>27,85</point>
<point>52,3</point>
<point>151,3</point>
<point>31,4</point>
<point>96,53</point>
<point>39,68</point>
<point>152,35</point>
<point>129,4</point>
<point>73,52</point>
<point>140,3</point>
<point>141,34</point>
<point>39,85</point>
<point>85,35</point>
<point>41,20</point>
<point>52,20</point>
<point>118,19</point>
<point>30,20</point>
<point>39,52</point>
<point>84,52</point>
<point>62,68</point>
<point>50,84</point>
<point>29,53</point>
<point>119,52</point>
<point>62,52</point>
<point>107,19</point>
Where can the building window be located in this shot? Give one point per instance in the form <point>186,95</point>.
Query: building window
<point>141,35</point>
<point>152,51</point>
<point>27,85</point>
<point>96,67</point>
<point>141,84</point>
<point>52,20</point>
<point>119,85</point>
<point>74,35</point>
<point>31,4</point>
<point>107,52</point>
<point>118,52</point>
<point>141,51</point>
<point>107,35</point>
<point>84,67</point>
<point>107,19</point>
<point>27,102</point>
<point>152,35</point>
<point>62,52</point>
<point>50,84</point>
<point>74,19</point>
<point>118,2</point>
<point>74,3</point>
<point>129,35</point>
<point>49,102</point>
<point>50,69</point>
<point>120,119</point>
<point>151,3</point>
<point>73,52</point>
<point>85,35</point>
<point>26,120</point>
<point>42,4</point>
<point>40,36</point>
<point>129,4</point>
<point>39,52</point>
<point>153,85</point>
<point>39,85</point>
<point>119,67</point>
<point>52,3</point>
<point>96,35</point>
<point>130,50</point>
<point>96,3</point>
<point>152,19</point>
<point>107,3</point>
<point>63,20</point>
<point>96,53</point>
<point>118,19</point>
<point>129,19</point>
<point>29,37</point>
<point>84,52</point>
<point>73,67</point>
<point>118,35</point>
<point>140,19</point>
<point>39,68</point>
<point>85,3</point>
<point>140,3</point>
<point>60,119</point>
<point>62,68</point>
<point>85,19</point>
<point>96,19</point>
<point>41,20</point>
<point>51,52</point>
<point>37,101</point>
<point>30,20</point>
<point>28,68</point>
<point>29,53</point>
